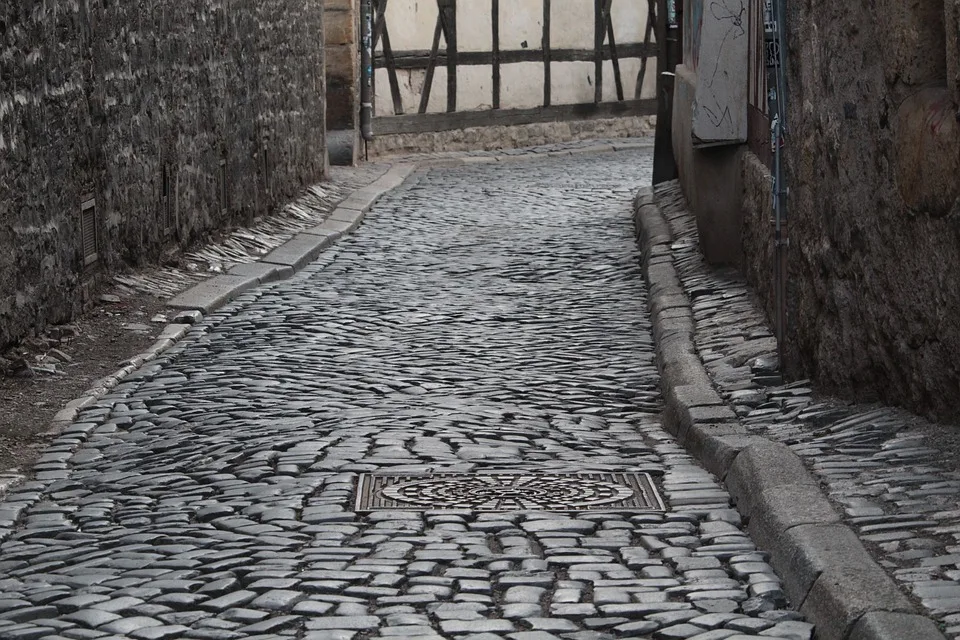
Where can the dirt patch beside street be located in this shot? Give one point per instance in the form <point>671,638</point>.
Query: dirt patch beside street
<point>41,375</point>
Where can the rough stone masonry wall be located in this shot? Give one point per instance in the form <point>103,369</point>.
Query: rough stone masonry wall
<point>874,170</point>
<point>97,97</point>
<point>511,137</point>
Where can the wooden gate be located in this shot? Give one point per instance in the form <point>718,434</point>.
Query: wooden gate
<point>415,101</point>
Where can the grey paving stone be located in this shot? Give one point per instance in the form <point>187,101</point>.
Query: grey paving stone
<point>126,626</point>
<point>636,629</point>
<point>91,617</point>
<point>483,318</point>
<point>476,626</point>
<point>335,623</point>
<point>339,634</point>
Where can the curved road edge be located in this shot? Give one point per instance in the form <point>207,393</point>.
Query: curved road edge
<point>828,574</point>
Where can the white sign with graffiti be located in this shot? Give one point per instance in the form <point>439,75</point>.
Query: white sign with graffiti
<point>720,107</point>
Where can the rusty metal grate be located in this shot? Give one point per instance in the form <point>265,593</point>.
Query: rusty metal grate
<point>508,491</point>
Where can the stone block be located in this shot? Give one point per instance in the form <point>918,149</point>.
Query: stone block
<point>766,465</point>
<point>331,229</point>
<point>710,444</point>
<point>299,251</point>
<point>262,271</point>
<point>339,29</point>
<point>213,293</point>
<point>362,199</point>
<point>350,216</point>
<point>774,510</point>
<point>342,61</point>
<point>884,625</point>
<point>827,571</point>
<point>698,395</point>
<point>394,177</point>
<point>845,592</point>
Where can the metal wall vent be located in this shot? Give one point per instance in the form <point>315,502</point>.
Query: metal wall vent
<point>89,231</point>
<point>266,164</point>
<point>222,183</point>
<point>508,491</point>
<point>168,218</point>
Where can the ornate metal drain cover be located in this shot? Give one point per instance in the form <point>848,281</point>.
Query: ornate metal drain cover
<point>506,491</point>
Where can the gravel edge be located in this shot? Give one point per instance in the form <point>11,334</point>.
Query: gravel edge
<point>827,573</point>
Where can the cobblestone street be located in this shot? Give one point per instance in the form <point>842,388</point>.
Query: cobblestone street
<point>483,318</point>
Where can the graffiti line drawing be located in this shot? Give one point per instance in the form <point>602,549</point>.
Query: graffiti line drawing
<point>731,12</point>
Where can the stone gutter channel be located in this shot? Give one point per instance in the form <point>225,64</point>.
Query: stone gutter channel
<point>828,573</point>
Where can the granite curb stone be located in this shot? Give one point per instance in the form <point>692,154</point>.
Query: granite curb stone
<point>213,292</point>
<point>300,250</point>
<point>264,271</point>
<point>893,626</point>
<point>827,572</point>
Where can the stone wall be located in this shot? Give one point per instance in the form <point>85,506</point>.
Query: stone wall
<point>873,164</point>
<point>175,118</point>
<point>493,138</point>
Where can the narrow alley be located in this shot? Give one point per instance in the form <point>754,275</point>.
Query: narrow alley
<point>487,318</point>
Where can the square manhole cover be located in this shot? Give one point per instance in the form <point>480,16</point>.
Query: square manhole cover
<point>509,492</point>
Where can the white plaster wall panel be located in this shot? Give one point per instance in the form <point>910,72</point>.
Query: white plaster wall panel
<point>383,103</point>
<point>571,82</point>
<point>571,24</point>
<point>475,25</point>
<point>520,21</point>
<point>649,79</point>
<point>628,75</point>
<point>521,85</point>
<point>438,92</point>
<point>629,20</point>
<point>411,86</point>
<point>474,88</point>
<point>410,24</point>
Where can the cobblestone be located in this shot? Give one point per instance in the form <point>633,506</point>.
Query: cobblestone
<point>487,317</point>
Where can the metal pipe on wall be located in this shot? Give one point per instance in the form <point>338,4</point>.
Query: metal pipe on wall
<point>775,49</point>
<point>366,70</point>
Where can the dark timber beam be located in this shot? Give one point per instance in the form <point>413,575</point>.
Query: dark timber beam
<point>617,79</point>
<point>598,36</point>
<point>448,17</point>
<point>495,54</point>
<point>431,66</point>
<point>545,45</point>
